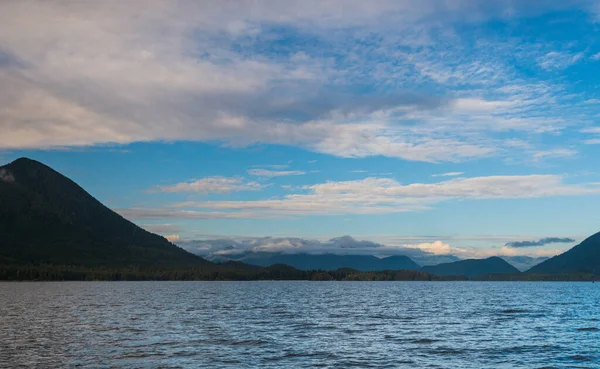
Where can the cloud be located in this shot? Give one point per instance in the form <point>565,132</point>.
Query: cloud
<point>524,263</point>
<point>293,245</point>
<point>172,237</point>
<point>167,213</point>
<point>436,248</point>
<point>162,229</point>
<point>365,196</point>
<point>541,242</point>
<point>428,253</point>
<point>272,173</point>
<point>272,166</point>
<point>6,176</point>
<point>557,153</point>
<point>267,73</point>
<point>555,60</point>
<point>213,185</point>
<point>595,56</point>
<point>449,174</point>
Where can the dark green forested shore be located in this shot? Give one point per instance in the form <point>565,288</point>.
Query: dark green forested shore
<point>234,272</point>
<point>242,272</point>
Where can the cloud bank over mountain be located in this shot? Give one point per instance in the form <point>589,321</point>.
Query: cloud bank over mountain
<point>427,253</point>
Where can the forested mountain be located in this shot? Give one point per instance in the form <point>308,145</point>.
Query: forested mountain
<point>305,261</point>
<point>473,268</point>
<point>583,258</point>
<point>47,218</point>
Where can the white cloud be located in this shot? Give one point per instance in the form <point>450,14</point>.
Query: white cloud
<point>448,174</point>
<point>436,248</point>
<point>213,185</point>
<point>272,173</point>
<point>430,253</point>
<point>591,130</point>
<point>557,153</point>
<point>112,73</point>
<point>167,213</point>
<point>595,56</point>
<point>555,60</point>
<point>6,176</point>
<point>372,196</point>
<point>172,237</point>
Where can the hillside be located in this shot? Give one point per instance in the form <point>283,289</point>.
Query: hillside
<point>47,218</point>
<point>583,258</point>
<point>472,268</point>
<point>364,263</point>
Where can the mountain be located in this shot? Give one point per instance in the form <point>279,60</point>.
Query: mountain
<point>524,263</point>
<point>583,258</point>
<point>472,268</point>
<point>426,258</point>
<point>47,218</point>
<point>364,263</point>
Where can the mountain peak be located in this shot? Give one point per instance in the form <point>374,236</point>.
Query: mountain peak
<point>472,268</point>
<point>583,258</point>
<point>24,162</point>
<point>47,218</point>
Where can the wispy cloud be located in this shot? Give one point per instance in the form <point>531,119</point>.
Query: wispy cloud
<point>6,176</point>
<point>365,196</point>
<point>556,60</point>
<point>274,173</point>
<point>448,174</point>
<point>121,76</point>
<point>433,252</point>
<point>213,185</point>
<point>541,242</point>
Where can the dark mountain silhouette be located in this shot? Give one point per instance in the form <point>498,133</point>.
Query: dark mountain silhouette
<point>583,258</point>
<point>304,261</point>
<point>47,218</point>
<point>473,268</point>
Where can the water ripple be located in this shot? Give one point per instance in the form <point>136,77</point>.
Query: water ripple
<point>453,325</point>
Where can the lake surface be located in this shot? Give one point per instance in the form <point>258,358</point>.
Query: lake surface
<point>300,325</point>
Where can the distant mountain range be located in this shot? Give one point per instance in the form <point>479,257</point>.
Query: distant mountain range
<point>363,263</point>
<point>524,263</point>
<point>331,261</point>
<point>47,218</point>
<point>473,268</point>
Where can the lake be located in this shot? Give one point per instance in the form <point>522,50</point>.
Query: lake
<point>300,325</point>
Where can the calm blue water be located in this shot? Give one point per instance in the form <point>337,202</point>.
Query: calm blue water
<point>300,325</point>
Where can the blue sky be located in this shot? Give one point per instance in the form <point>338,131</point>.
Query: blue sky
<point>453,127</point>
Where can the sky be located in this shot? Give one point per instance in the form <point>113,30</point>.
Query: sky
<point>455,127</point>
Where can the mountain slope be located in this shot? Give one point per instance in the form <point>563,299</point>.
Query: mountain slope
<point>47,218</point>
<point>472,267</point>
<point>583,258</point>
<point>362,263</point>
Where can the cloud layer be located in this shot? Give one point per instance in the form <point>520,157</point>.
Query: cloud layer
<point>541,242</point>
<point>426,253</point>
<point>213,185</point>
<point>346,78</point>
<point>366,196</point>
